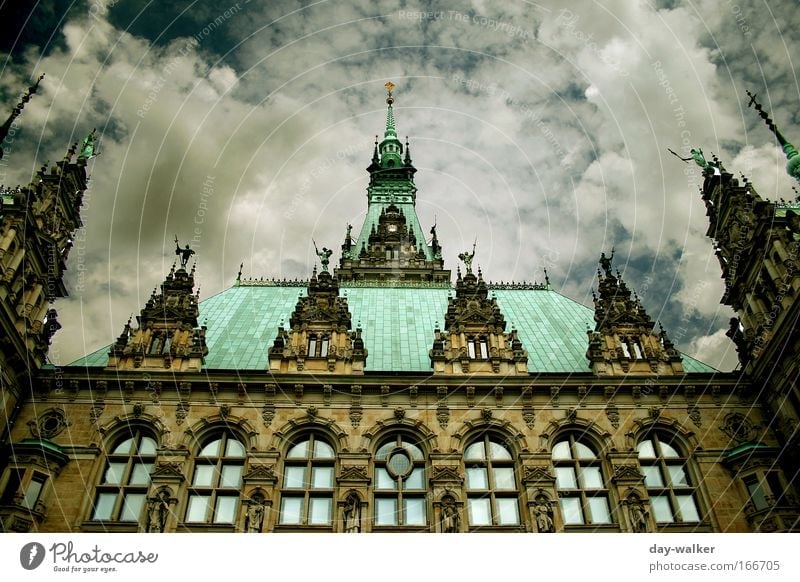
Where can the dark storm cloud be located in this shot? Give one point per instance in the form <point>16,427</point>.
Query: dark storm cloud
<point>542,128</point>
<point>37,24</point>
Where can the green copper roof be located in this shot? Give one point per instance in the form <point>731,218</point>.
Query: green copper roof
<point>397,325</point>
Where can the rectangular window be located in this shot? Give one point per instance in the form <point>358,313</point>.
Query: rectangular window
<point>203,476</point>
<point>385,480</point>
<point>565,478</point>
<point>571,510</point>
<point>198,508</point>
<point>661,509</point>
<point>471,349</point>
<point>688,508</point>
<point>504,479</point>
<point>291,510</point>
<point>413,511</point>
<point>132,507</point>
<point>295,478</point>
<point>483,351</point>
<point>320,511</point>
<point>225,511</point>
<point>598,508</point>
<point>386,512</point>
<point>416,480</point>
<point>323,347</point>
<point>652,476</point>
<point>476,478</point>
<point>480,512</point>
<point>104,506</point>
<point>140,474</point>
<point>507,511</point>
<point>592,479</point>
<point>114,473</point>
<point>756,493</point>
<point>33,491</point>
<point>677,476</point>
<point>231,476</point>
<point>321,477</point>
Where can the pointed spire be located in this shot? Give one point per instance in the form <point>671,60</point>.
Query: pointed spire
<point>6,127</point>
<point>390,132</point>
<point>407,160</point>
<point>793,167</point>
<point>375,158</point>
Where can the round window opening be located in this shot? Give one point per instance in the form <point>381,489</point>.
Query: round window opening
<point>399,463</point>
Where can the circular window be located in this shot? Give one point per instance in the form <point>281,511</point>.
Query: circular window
<point>51,423</point>
<point>399,463</point>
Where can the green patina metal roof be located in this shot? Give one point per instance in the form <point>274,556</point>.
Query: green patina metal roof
<point>398,325</point>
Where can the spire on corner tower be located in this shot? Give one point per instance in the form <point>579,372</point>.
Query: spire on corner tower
<point>6,127</point>
<point>793,167</point>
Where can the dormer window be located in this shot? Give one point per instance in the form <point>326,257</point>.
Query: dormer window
<point>478,348</point>
<point>318,346</point>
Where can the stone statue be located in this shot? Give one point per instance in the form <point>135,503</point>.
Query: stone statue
<point>435,247</point>
<point>544,516</point>
<point>638,514</point>
<point>352,514</point>
<point>157,511</point>
<point>697,156</point>
<point>324,256</point>
<point>255,515</point>
<point>87,148</point>
<point>450,521</point>
<point>605,262</point>
<point>184,254</point>
<point>467,258</point>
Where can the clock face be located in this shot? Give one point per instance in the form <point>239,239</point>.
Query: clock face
<point>392,228</point>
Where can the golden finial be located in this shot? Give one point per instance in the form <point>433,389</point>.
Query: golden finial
<point>389,87</point>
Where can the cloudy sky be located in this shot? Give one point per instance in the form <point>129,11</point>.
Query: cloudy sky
<point>540,127</point>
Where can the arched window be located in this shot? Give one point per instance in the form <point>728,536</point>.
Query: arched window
<point>667,479</point>
<point>400,484</point>
<point>122,492</point>
<point>307,489</point>
<point>217,480</point>
<point>582,490</point>
<point>492,497</point>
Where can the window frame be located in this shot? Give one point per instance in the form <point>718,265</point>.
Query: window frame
<point>489,464</point>
<point>215,489</point>
<point>400,444</point>
<point>581,491</point>
<point>307,492</point>
<point>124,488</point>
<point>668,490</point>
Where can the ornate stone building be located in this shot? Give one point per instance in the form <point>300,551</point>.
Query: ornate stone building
<point>384,398</point>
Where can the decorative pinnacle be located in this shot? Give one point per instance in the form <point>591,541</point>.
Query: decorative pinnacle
<point>390,132</point>
<point>389,86</point>
<point>4,129</point>
<point>793,167</point>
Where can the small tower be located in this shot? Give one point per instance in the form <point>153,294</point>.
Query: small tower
<point>320,339</point>
<point>167,336</point>
<point>474,340</point>
<point>623,341</point>
<point>391,247</point>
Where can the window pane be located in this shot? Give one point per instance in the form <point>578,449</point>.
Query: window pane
<point>475,452</point>
<point>321,477</point>
<point>598,507</point>
<point>386,512</point>
<point>141,474</point>
<point>385,450</point>
<point>132,507</point>
<point>507,511</point>
<point>147,446</point>
<point>114,473</point>
<point>561,451</point>
<point>661,509</point>
<point>677,476</point>
<point>299,451</point>
<point>234,448</point>
<point>565,478</point>
<point>320,511</point>
<point>203,476</point>
<point>32,494</point>
<point>504,479</point>
<point>592,478</point>
<point>757,495</point>
<point>652,477</point>
<point>480,512</point>
<point>399,463</point>
<point>476,478</point>
<point>688,508</point>
<point>416,480</point>
<point>104,506</point>
<point>295,478</point>
<point>413,511</point>
<point>498,452</point>
<point>198,508</point>
<point>584,452</point>
<point>384,480</point>
<point>322,450</point>
<point>231,476</point>
<point>123,448</point>
<point>646,450</point>
<point>571,510</point>
<point>225,511</point>
<point>211,449</point>
<point>667,451</point>
<point>414,451</point>
<point>291,510</point>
